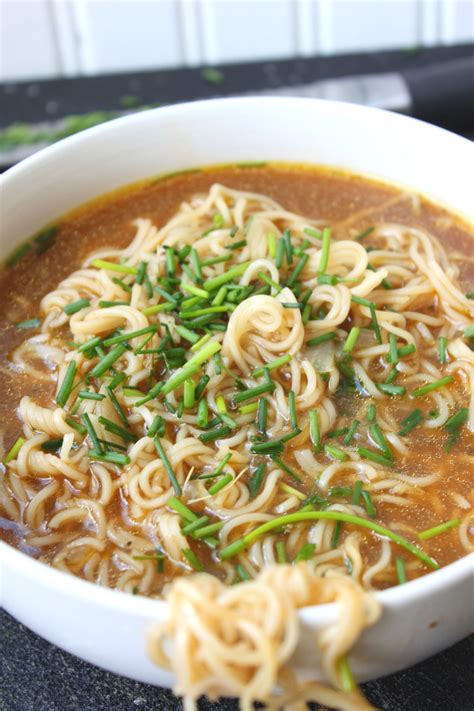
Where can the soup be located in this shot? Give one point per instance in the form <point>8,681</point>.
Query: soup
<point>262,374</point>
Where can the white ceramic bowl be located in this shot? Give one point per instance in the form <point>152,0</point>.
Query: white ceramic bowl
<point>106,627</point>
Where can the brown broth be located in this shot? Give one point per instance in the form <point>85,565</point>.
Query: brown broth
<point>344,200</point>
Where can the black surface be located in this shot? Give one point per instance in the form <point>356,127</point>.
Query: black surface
<point>39,677</point>
<point>454,81</point>
<point>35,675</point>
<point>40,100</point>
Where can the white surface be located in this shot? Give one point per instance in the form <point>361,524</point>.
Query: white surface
<point>43,38</point>
<point>108,628</point>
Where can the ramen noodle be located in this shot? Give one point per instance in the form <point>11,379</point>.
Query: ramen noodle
<point>250,407</point>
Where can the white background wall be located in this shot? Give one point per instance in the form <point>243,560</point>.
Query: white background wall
<point>50,38</point>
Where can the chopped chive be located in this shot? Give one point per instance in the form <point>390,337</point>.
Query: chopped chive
<point>29,323</point>
<point>203,413</point>
<point>306,313</point>
<point>116,405</point>
<point>437,530</point>
<point>285,468</point>
<point>168,467</point>
<point>361,301</point>
<point>226,277</point>
<point>265,278</point>
<point>380,440</point>
<point>369,506</point>
<point>117,430</point>
<point>195,262</point>
<point>371,413</point>
<point>14,450</point>
<point>312,232</point>
<point>110,304</point>
<point>324,258</point>
<point>391,376</point>
<point>123,337</point>
<point>194,525</point>
<point>248,409</point>
<point>196,346</point>
<point>374,456</point>
<point>375,323</point>
<point>201,386</point>
<point>393,348</point>
<point>18,254</point>
<point>52,445</point>
<point>219,485</point>
<point>419,392</point>
<point>216,433</point>
<point>300,265</point>
<point>330,279</point>
<point>92,433</point>
<point>300,516</point>
<point>216,260</point>
<point>351,340</point>
<point>321,339</point>
<point>237,245</point>
<point>347,681</point>
<point>157,427</point>
<point>288,246</point>
<point>242,573</point>
<point>280,552</point>
<point>170,262</point>
<point>110,457</point>
<point>414,419</point>
<point>189,394</point>
<point>357,492</point>
<point>292,491</point>
<point>90,395</point>
<point>336,534</point>
<point>280,253</point>
<point>204,531</point>
<point>277,363</point>
<point>469,332</point>
<point>251,393</point>
<point>255,481</point>
<point>292,408</point>
<point>180,508</point>
<point>442,343</point>
<point>66,386</point>
<point>164,306</point>
<point>192,559</point>
<point>152,393</point>
<point>457,420</point>
<point>335,452</point>
<point>314,430</point>
<point>272,447</point>
<point>400,569</point>
<point>306,552</point>
<point>364,234</point>
<point>389,389</point>
<point>351,432</point>
<point>271,244</point>
<point>220,297</point>
<point>220,404</point>
<point>113,267</point>
<point>106,362</point>
<point>132,392</point>
<point>194,290</point>
<point>90,345</point>
<point>76,306</point>
<point>117,380</point>
<point>76,425</point>
<point>205,312</point>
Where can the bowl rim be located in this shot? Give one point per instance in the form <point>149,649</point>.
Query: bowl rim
<point>47,576</point>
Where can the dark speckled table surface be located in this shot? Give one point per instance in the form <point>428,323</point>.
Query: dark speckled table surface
<point>35,675</point>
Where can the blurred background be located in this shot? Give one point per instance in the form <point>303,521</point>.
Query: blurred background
<point>66,65</point>
<point>66,38</point>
